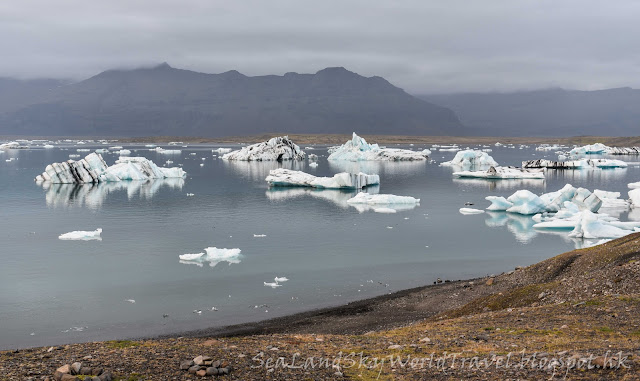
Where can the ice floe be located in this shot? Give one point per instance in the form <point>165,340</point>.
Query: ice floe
<point>503,173</point>
<point>470,159</point>
<point>470,211</point>
<point>634,185</point>
<point>526,202</point>
<point>10,145</point>
<point>274,149</point>
<point>213,255</point>
<point>357,149</point>
<point>282,177</point>
<point>80,235</point>
<point>590,149</point>
<point>382,199</point>
<point>93,169</point>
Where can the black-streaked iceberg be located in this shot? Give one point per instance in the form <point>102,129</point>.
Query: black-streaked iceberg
<point>274,149</point>
<point>93,169</point>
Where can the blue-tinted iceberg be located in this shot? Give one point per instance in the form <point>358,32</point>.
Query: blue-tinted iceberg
<point>357,149</point>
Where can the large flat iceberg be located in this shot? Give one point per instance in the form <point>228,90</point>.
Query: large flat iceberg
<point>274,149</point>
<point>526,202</point>
<point>503,173</point>
<point>357,149</point>
<point>289,178</point>
<point>93,169</point>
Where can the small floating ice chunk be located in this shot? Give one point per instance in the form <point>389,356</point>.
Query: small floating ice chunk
<point>634,185</point>
<point>281,279</point>
<point>385,210</point>
<point>80,235</point>
<point>470,211</point>
<point>313,165</point>
<point>259,235</point>
<point>588,226</point>
<point>221,150</point>
<point>131,300</point>
<point>48,146</point>
<point>272,284</point>
<point>213,255</point>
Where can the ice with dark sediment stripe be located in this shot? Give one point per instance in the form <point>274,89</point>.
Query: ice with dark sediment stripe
<point>274,149</point>
<point>93,169</point>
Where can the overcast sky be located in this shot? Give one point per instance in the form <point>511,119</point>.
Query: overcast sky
<point>422,46</point>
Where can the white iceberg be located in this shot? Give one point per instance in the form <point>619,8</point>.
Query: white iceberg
<point>93,169</point>
<point>471,158</point>
<point>213,255</point>
<point>503,173</point>
<point>167,151</point>
<point>357,149</point>
<point>634,185</point>
<point>470,211</point>
<point>10,145</point>
<point>611,199</point>
<point>634,197</point>
<point>275,149</point>
<point>282,177</point>
<point>48,146</point>
<point>80,235</point>
<point>222,151</point>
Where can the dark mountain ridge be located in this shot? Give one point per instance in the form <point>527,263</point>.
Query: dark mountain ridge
<point>166,101</point>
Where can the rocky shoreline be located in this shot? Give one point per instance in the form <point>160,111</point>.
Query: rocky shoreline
<point>574,316</point>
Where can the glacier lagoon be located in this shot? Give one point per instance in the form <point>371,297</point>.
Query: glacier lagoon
<point>54,291</point>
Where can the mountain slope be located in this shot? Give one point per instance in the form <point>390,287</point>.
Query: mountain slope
<point>554,112</point>
<point>168,101</point>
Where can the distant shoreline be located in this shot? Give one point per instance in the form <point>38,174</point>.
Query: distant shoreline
<point>307,139</point>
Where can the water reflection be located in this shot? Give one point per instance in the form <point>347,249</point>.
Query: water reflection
<point>500,184</point>
<point>379,167</point>
<point>259,170</point>
<point>92,196</point>
<point>587,175</point>
<point>337,197</point>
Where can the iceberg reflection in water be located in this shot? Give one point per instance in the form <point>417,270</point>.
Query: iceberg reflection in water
<point>92,196</point>
<point>499,184</point>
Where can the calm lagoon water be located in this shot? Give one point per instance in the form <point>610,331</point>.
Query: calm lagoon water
<point>54,291</point>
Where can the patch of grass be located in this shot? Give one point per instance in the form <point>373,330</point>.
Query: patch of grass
<point>636,333</point>
<point>606,329</point>
<point>592,303</point>
<point>489,328</point>
<point>120,344</point>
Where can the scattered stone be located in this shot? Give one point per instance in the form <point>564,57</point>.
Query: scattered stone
<point>198,360</point>
<point>194,369</point>
<point>211,371</point>
<point>201,373</point>
<point>490,281</point>
<point>185,365</point>
<point>75,367</point>
<point>395,346</point>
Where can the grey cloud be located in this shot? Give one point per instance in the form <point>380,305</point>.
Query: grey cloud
<point>421,46</point>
